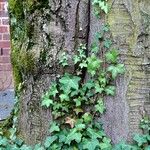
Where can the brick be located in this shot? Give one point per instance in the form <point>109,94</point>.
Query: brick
<point>5,67</point>
<point>3,14</point>
<point>6,51</point>
<point>2,6</point>
<point>0,37</point>
<point>5,21</point>
<point>3,29</point>
<point>4,44</point>
<point>3,0</point>
<point>4,59</point>
<point>6,37</point>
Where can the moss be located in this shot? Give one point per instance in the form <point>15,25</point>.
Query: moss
<point>23,64</point>
<point>16,8</point>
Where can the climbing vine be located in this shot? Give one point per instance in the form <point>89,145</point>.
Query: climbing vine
<point>76,105</point>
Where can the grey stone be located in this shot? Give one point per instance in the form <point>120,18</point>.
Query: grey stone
<point>7,100</point>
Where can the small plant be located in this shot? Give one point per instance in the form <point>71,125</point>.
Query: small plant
<point>75,104</point>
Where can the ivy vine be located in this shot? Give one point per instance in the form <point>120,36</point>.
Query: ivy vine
<point>77,105</point>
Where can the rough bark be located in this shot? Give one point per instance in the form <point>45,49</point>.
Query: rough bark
<point>61,26</point>
<point>129,21</point>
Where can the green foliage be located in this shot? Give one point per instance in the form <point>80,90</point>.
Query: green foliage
<point>100,5</point>
<point>75,104</point>
<point>63,60</point>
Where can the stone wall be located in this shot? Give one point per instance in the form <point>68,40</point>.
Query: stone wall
<point>5,65</point>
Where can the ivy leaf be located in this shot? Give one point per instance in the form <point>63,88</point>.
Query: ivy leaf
<point>64,97</point>
<point>53,90</point>
<point>63,59</point>
<point>93,64</point>
<point>83,64</point>
<point>105,28</point>
<point>123,146</point>
<point>54,127</point>
<point>99,36</point>
<point>105,144</point>
<point>69,82</point>
<point>70,121</point>
<point>25,147</point>
<point>140,139</point>
<point>94,48</point>
<point>147,148</point>
<point>47,102</point>
<point>94,134</point>
<point>100,107</point>
<point>104,6</point>
<point>80,126</point>
<point>110,90</point>
<point>3,141</point>
<point>49,140</point>
<point>39,147</point>
<point>112,56</point>
<point>98,89</point>
<point>89,84</point>
<point>116,69</point>
<point>78,101</point>
<point>91,144</point>
<point>76,59</point>
<point>107,43</point>
<point>78,110</point>
<point>87,117</point>
<point>73,136</point>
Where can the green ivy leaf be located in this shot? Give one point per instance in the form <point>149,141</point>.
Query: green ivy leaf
<point>87,117</point>
<point>91,144</point>
<point>110,90</point>
<point>99,36</point>
<point>93,64</point>
<point>69,82</point>
<point>112,56</point>
<point>116,69</point>
<point>104,6</point>
<point>147,148</point>
<point>83,64</point>
<point>76,59</point>
<point>89,84</point>
<point>63,59</point>
<point>54,127</point>
<point>64,97</point>
<point>3,141</point>
<point>73,136</point>
<point>140,139</point>
<point>94,48</point>
<point>106,144</point>
<point>100,107</point>
<point>80,126</point>
<point>53,90</point>
<point>25,147</point>
<point>78,101</point>
<point>47,102</point>
<point>49,140</point>
<point>98,89</point>
<point>107,43</point>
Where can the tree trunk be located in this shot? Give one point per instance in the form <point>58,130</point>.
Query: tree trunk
<point>43,30</point>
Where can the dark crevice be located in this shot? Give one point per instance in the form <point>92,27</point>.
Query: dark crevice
<point>76,36</point>
<point>87,39</point>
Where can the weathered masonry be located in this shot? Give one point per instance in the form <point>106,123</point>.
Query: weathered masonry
<point>6,80</point>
